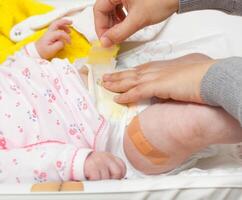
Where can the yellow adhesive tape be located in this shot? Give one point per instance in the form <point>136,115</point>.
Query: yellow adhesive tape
<point>100,55</point>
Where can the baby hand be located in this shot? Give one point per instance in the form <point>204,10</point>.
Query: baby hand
<point>104,165</point>
<point>54,39</point>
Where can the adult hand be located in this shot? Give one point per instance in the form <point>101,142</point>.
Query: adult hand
<point>177,79</point>
<point>113,26</point>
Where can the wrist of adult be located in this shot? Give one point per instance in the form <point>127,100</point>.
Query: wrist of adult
<point>221,86</point>
<point>193,5</point>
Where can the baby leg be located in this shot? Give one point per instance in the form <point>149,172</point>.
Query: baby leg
<point>165,135</point>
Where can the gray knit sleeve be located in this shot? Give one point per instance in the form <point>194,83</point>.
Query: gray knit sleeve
<point>222,86</point>
<point>233,7</point>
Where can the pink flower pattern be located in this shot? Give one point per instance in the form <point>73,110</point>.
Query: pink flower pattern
<point>49,94</point>
<point>44,123</point>
<point>26,73</point>
<point>32,115</point>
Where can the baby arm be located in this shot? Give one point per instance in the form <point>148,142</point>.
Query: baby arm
<point>58,162</point>
<point>47,46</point>
<point>50,161</point>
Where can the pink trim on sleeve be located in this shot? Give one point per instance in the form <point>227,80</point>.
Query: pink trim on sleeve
<point>26,51</point>
<point>72,165</point>
<point>100,128</point>
<point>77,164</point>
<point>31,50</point>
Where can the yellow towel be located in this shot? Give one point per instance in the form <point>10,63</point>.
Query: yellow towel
<point>14,11</point>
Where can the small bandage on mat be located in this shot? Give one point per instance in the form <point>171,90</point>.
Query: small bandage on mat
<point>143,145</point>
<point>69,186</point>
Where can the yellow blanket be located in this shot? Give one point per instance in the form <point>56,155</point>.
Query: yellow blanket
<point>14,11</point>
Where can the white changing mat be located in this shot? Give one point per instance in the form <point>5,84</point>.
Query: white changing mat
<point>213,33</point>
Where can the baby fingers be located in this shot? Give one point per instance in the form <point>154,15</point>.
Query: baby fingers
<point>104,173</point>
<point>117,169</point>
<point>61,24</point>
<point>60,35</point>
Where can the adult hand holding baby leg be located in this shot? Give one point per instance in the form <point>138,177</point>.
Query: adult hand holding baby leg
<point>113,26</point>
<point>177,79</point>
<point>54,39</point>
<point>103,165</point>
<point>176,129</point>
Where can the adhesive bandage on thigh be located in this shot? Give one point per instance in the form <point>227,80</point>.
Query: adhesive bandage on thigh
<point>143,145</point>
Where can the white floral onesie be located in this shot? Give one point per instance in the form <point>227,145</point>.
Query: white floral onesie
<point>48,122</point>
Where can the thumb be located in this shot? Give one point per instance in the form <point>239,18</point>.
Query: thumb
<point>123,30</point>
<point>142,91</point>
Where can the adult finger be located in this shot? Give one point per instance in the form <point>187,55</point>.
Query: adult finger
<point>142,91</point>
<point>121,86</point>
<point>135,72</point>
<point>102,11</point>
<point>120,14</point>
<point>126,84</point>
<point>120,75</point>
<point>121,31</point>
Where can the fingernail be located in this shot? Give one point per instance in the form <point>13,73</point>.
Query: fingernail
<point>106,42</point>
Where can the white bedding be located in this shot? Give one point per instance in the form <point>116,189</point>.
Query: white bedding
<point>213,33</point>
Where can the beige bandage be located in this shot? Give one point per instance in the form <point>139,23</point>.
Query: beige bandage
<point>143,145</point>
<point>46,187</point>
<point>69,186</point>
<point>72,186</point>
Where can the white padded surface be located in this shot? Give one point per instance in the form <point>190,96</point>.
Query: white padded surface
<point>213,33</point>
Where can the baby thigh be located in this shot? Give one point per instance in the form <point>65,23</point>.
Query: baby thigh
<point>168,134</point>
